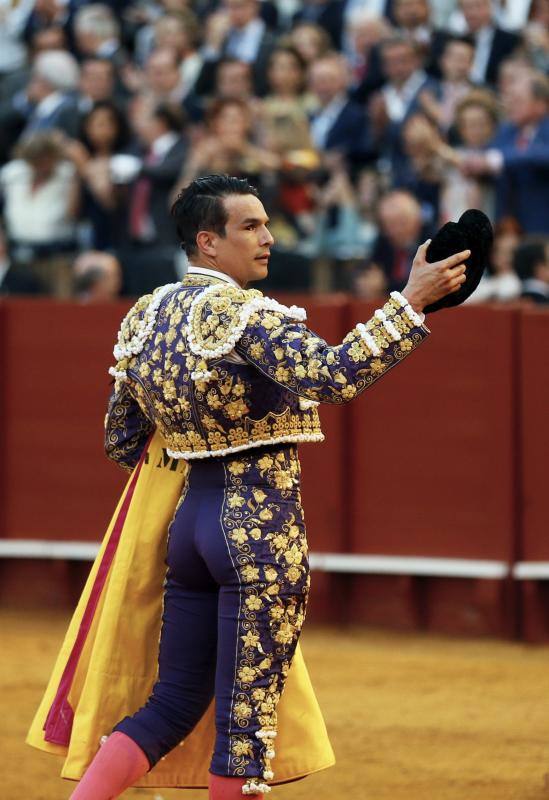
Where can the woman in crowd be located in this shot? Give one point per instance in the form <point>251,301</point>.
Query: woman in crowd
<point>476,122</point>
<point>227,146</point>
<point>104,133</point>
<point>501,283</point>
<point>40,194</point>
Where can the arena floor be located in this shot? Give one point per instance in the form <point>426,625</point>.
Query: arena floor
<point>411,717</point>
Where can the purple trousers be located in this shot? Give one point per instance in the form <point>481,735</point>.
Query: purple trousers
<point>234,603</point>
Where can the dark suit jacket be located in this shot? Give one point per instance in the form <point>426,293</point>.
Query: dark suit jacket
<point>373,78</point>
<point>163,176</point>
<point>389,260</point>
<point>350,134</point>
<point>65,117</point>
<point>523,186</point>
<point>503,45</point>
<point>205,83</point>
<point>329,15</point>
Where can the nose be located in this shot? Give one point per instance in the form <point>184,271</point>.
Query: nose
<point>266,237</point>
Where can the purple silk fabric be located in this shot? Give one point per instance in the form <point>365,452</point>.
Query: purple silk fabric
<point>234,604</point>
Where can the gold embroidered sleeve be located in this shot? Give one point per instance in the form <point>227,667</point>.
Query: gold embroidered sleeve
<point>290,354</point>
<point>126,429</point>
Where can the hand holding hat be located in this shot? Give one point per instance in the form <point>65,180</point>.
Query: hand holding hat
<point>448,268</point>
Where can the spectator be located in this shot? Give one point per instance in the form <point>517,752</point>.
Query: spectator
<point>97,277</point>
<point>401,233</point>
<point>13,53</point>
<point>165,149</point>
<point>53,80</point>
<point>239,32</point>
<point>97,83</point>
<point>520,156</point>
<point>346,229</point>
<point>179,31</point>
<point>421,172</point>
<point>399,98</point>
<point>476,125</point>
<point>227,146</point>
<point>365,31</point>
<point>412,19</point>
<point>327,14</point>
<point>536,36</point>
<point>455,65</point>
<point>15,82</point>
<point>234,80</point>
<point>492,44</point>
<point>97,34</point>
<point>500,283</point>
<point>405,79</point>
<point>339,123</point>
<point>310,40</point>
<point>104,135</point>
<point>40,193</point>
<point>283,112</point>
<point>531,263</point>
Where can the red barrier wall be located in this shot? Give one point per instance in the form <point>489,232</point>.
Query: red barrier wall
<point>534,438</point>
<point>433,471</point>
<point>57,482</point>
<point>534,395</point>
<point>432,444</point>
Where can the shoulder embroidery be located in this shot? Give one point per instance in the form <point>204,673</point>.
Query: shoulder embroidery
<point>218,317</point>
<point>136,327</point>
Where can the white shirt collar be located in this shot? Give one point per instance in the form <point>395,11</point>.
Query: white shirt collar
<point>49,104</point>
<point>212,273</point>
<point>164,143</point>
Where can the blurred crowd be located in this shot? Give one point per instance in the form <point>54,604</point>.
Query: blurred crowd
<point>365,124</point>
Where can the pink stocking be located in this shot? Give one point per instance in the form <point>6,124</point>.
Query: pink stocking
<point>224,788</point>
<point>118,764</point>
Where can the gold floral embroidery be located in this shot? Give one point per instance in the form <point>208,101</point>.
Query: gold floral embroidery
<point>275,594</point>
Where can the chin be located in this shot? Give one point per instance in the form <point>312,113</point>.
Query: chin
<point>261,271</point>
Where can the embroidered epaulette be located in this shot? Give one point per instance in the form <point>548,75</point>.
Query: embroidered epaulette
<point>135,328</point>
<point>219,315</point>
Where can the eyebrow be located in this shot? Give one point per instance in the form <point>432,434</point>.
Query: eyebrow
<point>255,220</point>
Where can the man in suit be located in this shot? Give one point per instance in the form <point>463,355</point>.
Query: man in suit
<point>237,31</point>
<point>149,255</point>
<point>399,98</point>
<point>492,44</point>
<point>97,34</point>
<point>401,231</point>
<point>531,263</point>
<point>49,100</point>
<point>520,155</point>
<point>165,152</point>
<point>329,14</point>
<point>338,123</point>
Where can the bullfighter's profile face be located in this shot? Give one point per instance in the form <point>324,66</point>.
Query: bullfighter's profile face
<point>243,252</point>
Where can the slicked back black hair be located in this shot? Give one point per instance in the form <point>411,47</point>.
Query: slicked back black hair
<point>200,207</point>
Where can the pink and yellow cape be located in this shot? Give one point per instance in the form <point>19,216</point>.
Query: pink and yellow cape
<point>108,661</point>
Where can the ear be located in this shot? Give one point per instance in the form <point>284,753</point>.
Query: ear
<point>206,242</point>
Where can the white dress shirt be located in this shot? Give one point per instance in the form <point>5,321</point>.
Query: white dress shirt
<point>483,48</point>
<point>40,215</point>
<point>212,273</point>
<point>244,43</point>
<point>324,121</point>
<point>399,99</point>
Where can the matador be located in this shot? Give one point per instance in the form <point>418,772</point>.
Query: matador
<point>231,380</point>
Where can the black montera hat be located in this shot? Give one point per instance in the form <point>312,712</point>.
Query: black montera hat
<point>472,232</point>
